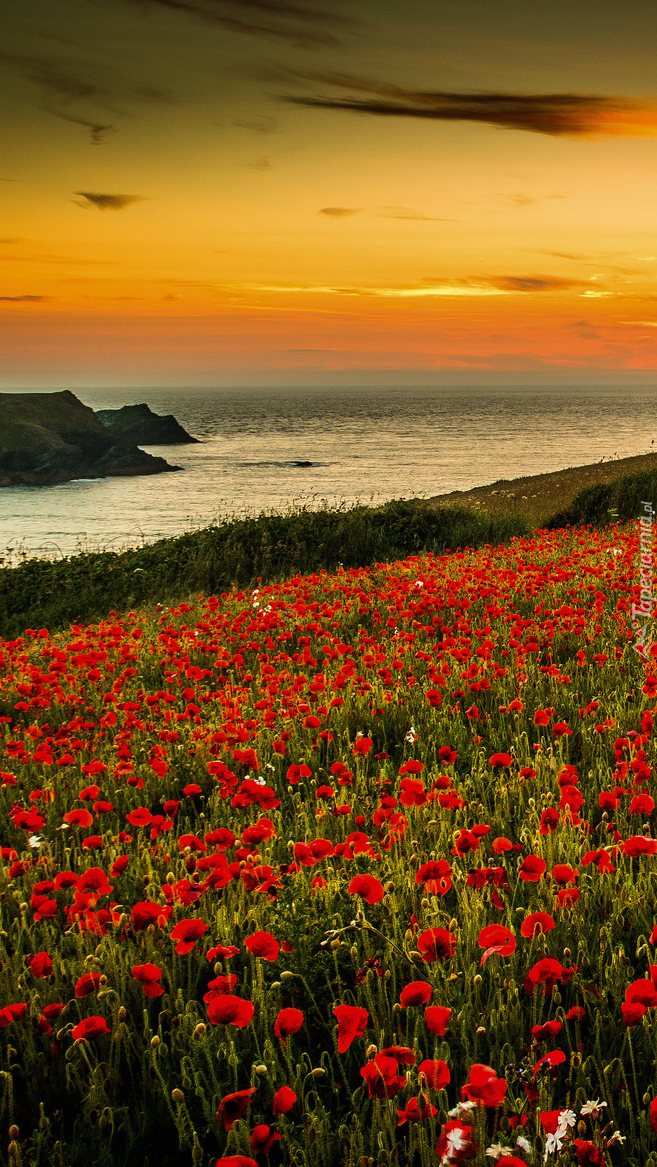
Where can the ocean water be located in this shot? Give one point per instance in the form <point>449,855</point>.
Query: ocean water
<point>364,445</point>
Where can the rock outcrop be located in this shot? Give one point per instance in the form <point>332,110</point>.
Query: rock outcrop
<point>46,438</point>
<point>139,425</point>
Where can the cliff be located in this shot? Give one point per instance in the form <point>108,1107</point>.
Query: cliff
<point>47,438</point>
<point>139,425</point>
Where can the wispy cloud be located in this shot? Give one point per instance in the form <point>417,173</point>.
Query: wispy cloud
<point>433,286</point>
<point>409,213</point>
<point>339,212</point>
<point>107,202</point>
<point>260,124</point>
<point>304,24</point>
<point>24,299</point>
<point>558,114</point>
<point>82,92</point>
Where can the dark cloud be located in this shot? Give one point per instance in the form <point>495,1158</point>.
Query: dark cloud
<point>261,163</point>
<point>23,299</point>
<point>304,25</point>
<point>80,92</point>
<point>571,114</point>
<point>262,124</point>
<point>339,212</point>
<point>107,202</point>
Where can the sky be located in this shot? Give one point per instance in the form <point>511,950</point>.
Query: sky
<point>227,192</point>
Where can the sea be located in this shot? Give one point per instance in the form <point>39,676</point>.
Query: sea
<point>274,449</point>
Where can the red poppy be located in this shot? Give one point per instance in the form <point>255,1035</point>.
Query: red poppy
<point>532,869</point>
<point>653,1115</point>
<point>225,1009</point>
<point>437,1019</point>
<point>87,984</point>
<point>639,845</point>
<point>632,1012</point>
<point>555,1057</point>
<point>368,887</point>
<point>563,873</point>
<point>149,976</point>
<point>436,1073</point>
<point>381,1076</point>
<point>536,923</point>
<point>187,932</point>
<point>352,1023</point>
<point>288,1021</point>
<point>234,1107</point>
<point>545,972</point>
<point>362,745</point>
<point>484,1088</point>
<point>549,1029</point>
<point>41,965</point>
<point>416,1111</point>
<point>436,877</point>
<point>436,944</point>
<point>642,990</point>
<point>284,1100</point>
<point>235,1160</point>
<point>417,993</point>
<point>89,1028</point>
<point>497,761</point>
<point>495,938</point>
<point>262,1139</point>
<point>146,913</point>
<point>549,821</point>
<point>78,818</point>
<point>262,944</point>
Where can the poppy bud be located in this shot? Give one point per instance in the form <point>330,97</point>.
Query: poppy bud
<point>261,1071</point>
<point>416,956</point>
<point>177,1095</point>
<point>200,1030</point>
<point>275,985</point>
<point>479,1030</point>
<point>14,1132</point>
<point>389,886</point>
<point>287,975</point>
<point>425,904</point>
<point>336,942</point>
<point>155,1041</point>
<point>371,1051</point>
<point>567,953</point>
<point>354,952</point>
<point>396,1007</point>
<point>581,1127</point>
<point>318,1073</point>
<point>170,877</point>
<point>122,1013</point>
<point>453,924</point>
<point>44,1121</point>
<point>477,980</point>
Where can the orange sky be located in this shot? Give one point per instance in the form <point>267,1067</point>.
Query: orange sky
<point>234,191</point>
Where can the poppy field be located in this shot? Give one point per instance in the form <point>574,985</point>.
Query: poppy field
<point>354,869</point>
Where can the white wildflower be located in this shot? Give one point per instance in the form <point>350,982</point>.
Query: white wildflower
<point>589,1107</point>
<point>523,1144</point>
<point>35,841</point>
<point>496,1150</point>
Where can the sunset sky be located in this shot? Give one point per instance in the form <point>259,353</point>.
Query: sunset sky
<point>246,191</point>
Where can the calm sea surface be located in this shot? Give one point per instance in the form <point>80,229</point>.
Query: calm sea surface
<point>367,445</point>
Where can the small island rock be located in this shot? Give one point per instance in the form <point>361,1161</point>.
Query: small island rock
<point>139,425</point>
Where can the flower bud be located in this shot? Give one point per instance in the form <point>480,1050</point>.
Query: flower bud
<point>287,975</point>
<point>200,1029</point>
<point>14,1132</point>
<point>318,1073</point>
<point>261,1070</point>
<point>155,1041</point>
<point>177,1095</point>
<point>122,1013</point>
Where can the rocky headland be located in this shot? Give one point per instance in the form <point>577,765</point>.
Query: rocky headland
<point>47,438</point>
<point>139,425</point>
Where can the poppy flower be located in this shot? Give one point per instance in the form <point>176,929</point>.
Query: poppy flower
<point>642,990</point>
<point>225,1009</point>
<point>146,913</point>
<point>536,923</point>
<point>236,1160</point>
<point>455,1143</point>
<point>436,877</point>
<point>498,761</point>
<point>548,1029</point>
<point>403,1054</point>
<point>87,984</point>
<point>532,869</point>
<point>417,993</point>
<point>545,972</point>
<point>632,1012</point>
<point>436,944</point>
<point>563,873</point>
<point>495,938</point>
<point>352,1023</point>
<point>284,1100</point>
<point>484,1088</point>
<point>436,1073</point>
<point>149,976</point>
<point>41,965</point>
<point>549,821</point>
<point>653,1115</point>
<point>262,944</point>
<point>234,1106</point>
<point>416,1112</point>
<point>639,845</point>
<point>78,818</point>
<point>89,1028</point>
<point>382,1078</point>
<point>187,932</point>
<point>555,1057</point>
<point>288,1021</point>
<point>262,1139</point>
<point>368,887</point>
<point>436,1018</point>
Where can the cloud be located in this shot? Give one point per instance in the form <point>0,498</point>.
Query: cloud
<point>107,202</point>
<point>261,163</point>
<point>339,212</point>
<point>535,283</point>
<point>24,299</point>
<point>81,92</point>
<point>302,24</point>
<point>558,114</point>
<point>261,124</point>
<point>409,213</point>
